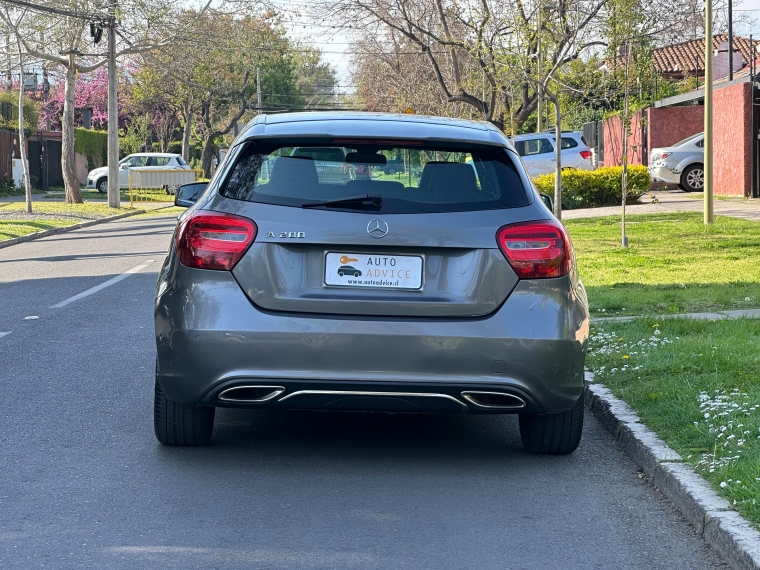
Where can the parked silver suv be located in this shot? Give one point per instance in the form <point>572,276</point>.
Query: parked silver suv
<point>539,155</point>
<point>448,287</point>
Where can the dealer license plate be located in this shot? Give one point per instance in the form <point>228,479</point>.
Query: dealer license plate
<point>373,271</point>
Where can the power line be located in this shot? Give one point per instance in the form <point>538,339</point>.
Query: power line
<point>51,10</point>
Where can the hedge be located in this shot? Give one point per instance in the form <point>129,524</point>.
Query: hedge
<point>93,145</point>
<point>31,116</point>
<point>600,187</point>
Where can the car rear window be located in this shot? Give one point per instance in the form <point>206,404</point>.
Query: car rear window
<point>567,142</point>
<point>180,161</point>
<point>426,177</point>
<point>533,146</point>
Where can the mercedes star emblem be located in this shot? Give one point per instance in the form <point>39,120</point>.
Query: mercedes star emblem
<point>377,228</point>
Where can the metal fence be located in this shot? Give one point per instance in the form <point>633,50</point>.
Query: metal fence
<point>152,185</point>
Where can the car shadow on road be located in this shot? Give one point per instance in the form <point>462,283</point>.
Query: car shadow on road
<point>338,437</point>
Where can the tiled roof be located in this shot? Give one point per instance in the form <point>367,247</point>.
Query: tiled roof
<point>685,57</point>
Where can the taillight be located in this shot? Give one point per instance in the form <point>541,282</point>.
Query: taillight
<point>585,154</point>
<point>536,250</point>
<point>660,155</point>
<point>210,240</point>
<point>346,168</point>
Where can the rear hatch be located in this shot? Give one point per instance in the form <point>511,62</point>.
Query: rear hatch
<point>419,243</point>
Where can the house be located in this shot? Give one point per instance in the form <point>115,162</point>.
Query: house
<point>736,114</point>
<point>687,59</point>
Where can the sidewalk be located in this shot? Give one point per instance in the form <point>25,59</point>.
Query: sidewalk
<point>675,201</point>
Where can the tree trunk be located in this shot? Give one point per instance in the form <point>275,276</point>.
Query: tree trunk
<point>21,141</point>
<point>186,130</point>
<point>68,154</point>
<point>206,156</point>
<point>558,155</point>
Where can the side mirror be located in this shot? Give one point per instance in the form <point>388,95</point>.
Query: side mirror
<point>123,167</point>
<point>188,194</point>
<point>548,202</point>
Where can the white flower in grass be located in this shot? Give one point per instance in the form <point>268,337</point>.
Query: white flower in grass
<point>723,484</point>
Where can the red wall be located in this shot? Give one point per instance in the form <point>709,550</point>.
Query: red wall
<point>668,125</point>
<point>613,141</point>
<point>732,140</point>
<point>732,132</point>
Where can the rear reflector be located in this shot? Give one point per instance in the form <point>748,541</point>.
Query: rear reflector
<point>536,250</point>
<point>210,240</point>
<point>585,154</point>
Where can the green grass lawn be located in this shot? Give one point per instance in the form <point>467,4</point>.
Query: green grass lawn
<point>15,222</point>
<point>695,384</point>
<point>674,264</point>
<point>18,192</point>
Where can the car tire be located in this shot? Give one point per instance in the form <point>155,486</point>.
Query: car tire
<point>553,434</point>
<point>102,185</point>
<point>357,274</point>
<point>693,178</point>
<point>340,273</point>
<point>181,424</point>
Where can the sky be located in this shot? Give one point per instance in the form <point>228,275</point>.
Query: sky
<point>334,45</point>
<point>751,8</point>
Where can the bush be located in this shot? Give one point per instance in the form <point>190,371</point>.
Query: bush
<point>600,187</point>
<point>7,186</point>
<point>93,145</point>
<point>175,147</point>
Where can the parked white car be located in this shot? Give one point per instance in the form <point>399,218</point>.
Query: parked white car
<point>681,163</point>
<point>98,178</point>
<point>538,154</point>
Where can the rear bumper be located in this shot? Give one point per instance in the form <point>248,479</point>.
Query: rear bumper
<point>210,337</point>
<point>664,174</point>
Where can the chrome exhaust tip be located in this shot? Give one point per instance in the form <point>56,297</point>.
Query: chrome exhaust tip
<point>250,394</point>
<point>494,400</point>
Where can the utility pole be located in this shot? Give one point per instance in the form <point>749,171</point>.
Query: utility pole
<point>730,42</point>
<point>708,86</point>
<point>626,121</point>
<point>114,198</point>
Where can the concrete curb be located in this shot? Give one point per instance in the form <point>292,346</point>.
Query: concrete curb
<point>727,532</point>
<point>64,229</point>
<point>717,316</point>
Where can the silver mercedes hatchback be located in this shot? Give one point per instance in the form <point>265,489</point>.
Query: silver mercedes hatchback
<point>446,286</point>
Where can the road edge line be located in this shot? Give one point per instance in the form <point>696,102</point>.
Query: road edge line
<point>723,529</point>
<point>64,229</point>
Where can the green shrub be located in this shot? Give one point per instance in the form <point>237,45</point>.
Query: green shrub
<point>175,147</point>
<point>7,186</point>
<point>31,116</point>
<point>600,187</point>
<point>93,145</point>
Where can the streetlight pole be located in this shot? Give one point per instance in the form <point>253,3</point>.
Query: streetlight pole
<point>113,115</point>
<point>708,145</point>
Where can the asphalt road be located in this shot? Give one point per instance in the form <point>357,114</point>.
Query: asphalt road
<point>84,484</point>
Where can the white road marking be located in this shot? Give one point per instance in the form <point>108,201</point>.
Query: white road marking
<point>103,285</point>
<point>31,318</point>
<point>2,334</point>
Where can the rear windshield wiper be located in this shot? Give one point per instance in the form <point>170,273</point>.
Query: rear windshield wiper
<point>352,201</point>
